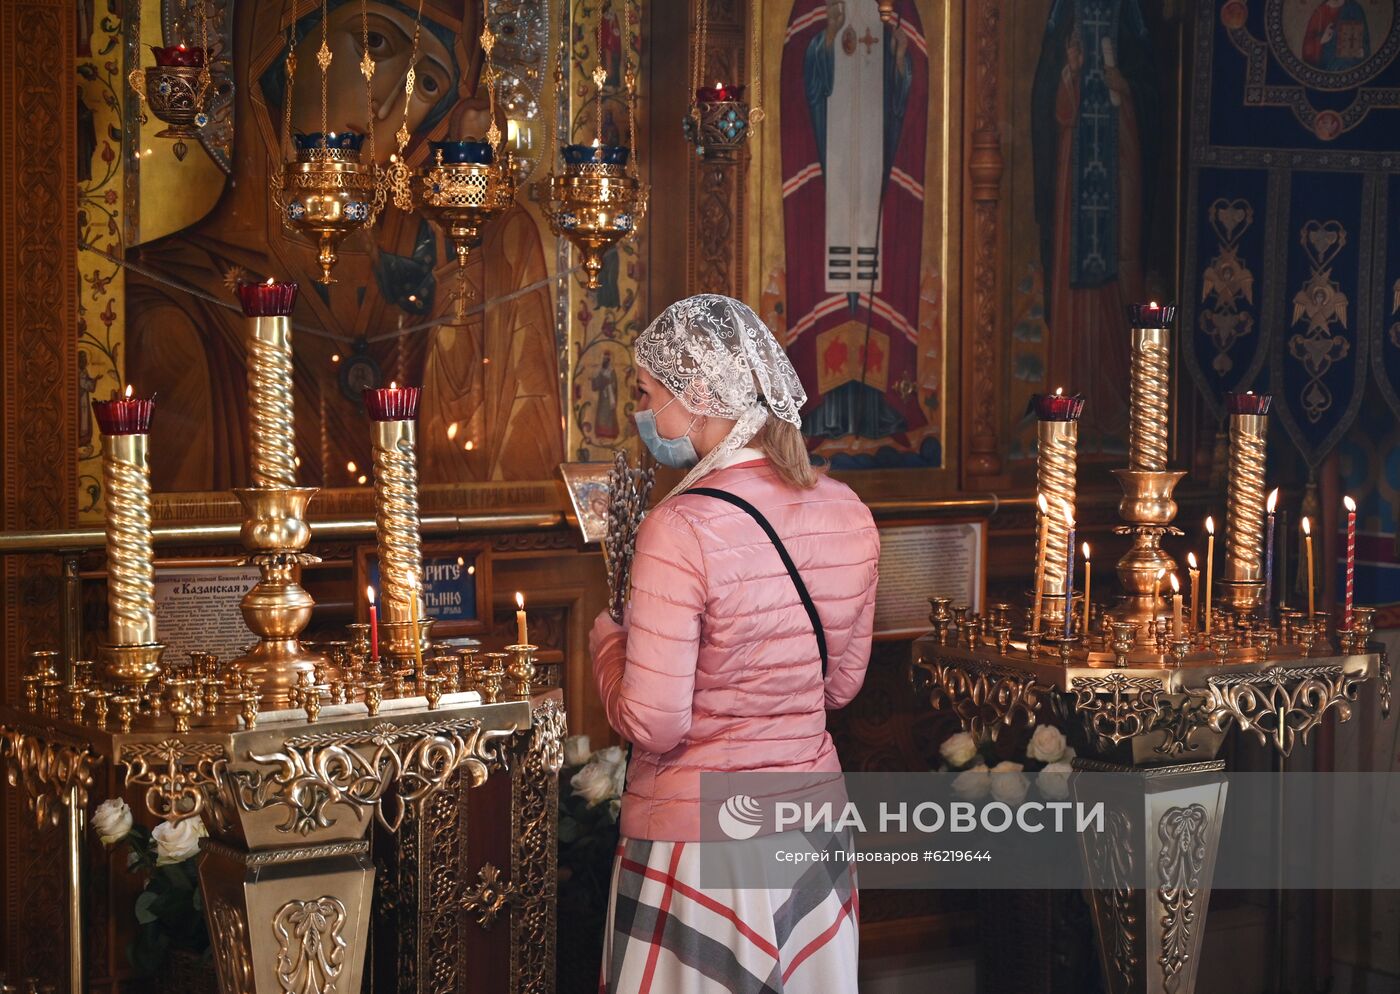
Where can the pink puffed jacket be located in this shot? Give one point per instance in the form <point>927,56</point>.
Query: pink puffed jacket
<point>717,668</point>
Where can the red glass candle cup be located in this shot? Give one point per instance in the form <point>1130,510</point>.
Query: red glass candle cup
<point>178,56</point>
<point>1248,403</point>
<point>124,415</point>
<point>1057,406</point>
<point>718,92</point>
<point>265,300</point>
<point>1152,315</point>
<point>393,403</point>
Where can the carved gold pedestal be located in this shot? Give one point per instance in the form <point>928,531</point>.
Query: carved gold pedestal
<point>1162,720</point>
<point>1167,827</point>
<point>288,919</point>
<point>1148,509</point>
<point>278,608</point>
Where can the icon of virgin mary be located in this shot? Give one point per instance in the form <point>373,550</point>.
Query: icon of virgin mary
<point>492,376</point>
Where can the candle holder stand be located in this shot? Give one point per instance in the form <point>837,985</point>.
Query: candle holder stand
<point>278,608</point>
<point>1148,509</point>
<point>521,668</point>
<point>1242,587</point>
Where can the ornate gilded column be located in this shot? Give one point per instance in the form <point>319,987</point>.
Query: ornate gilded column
<point>394,411</point>
<point>1057,437</point>
<point>275,531</point>
<point>131,652</point>
<point>1242,586</point>
<point>1147,506</point>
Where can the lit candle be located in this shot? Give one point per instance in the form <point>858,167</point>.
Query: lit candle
<point>522,629</point>
<point>1069,569</point>
<point>1269,556</point>
<point>1210,567</point>
<point>1351,561</point>
<point>1040,560</point>
<point>373,624</point>
<point>1193,570</point>
<point>717,93</point>
<point>1088,587</point>
<point>1307,542</point>
<point>1176,607</point>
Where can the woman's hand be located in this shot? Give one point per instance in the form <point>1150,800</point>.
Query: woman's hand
<point>605,633</point>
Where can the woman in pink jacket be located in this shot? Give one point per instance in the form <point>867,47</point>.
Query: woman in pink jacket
<point>750,617</point>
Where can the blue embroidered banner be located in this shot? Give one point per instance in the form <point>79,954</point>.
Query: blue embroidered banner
<point>1225,337</point>
<point>1295,105</point>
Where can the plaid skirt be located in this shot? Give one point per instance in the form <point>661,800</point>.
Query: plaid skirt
<point>665,935</point>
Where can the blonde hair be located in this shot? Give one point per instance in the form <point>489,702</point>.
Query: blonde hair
<point>781,442</point>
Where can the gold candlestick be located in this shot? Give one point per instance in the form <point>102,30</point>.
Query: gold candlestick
<point>1243,582</point>
<point>268,307</point>
<point>132,653</point>
<point>395,412</point>
<point>1147,506</point>
<point>278,608</point>
<point>1057,436</point>
<point>521,669</point>
<point>1150,387</point>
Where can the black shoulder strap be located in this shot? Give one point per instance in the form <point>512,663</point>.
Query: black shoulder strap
<point>754,513</point>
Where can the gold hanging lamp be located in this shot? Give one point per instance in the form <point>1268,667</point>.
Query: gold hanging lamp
<point>467,182</point>
<point>177,88</point>
<point>719,119</point>
<point>597,199</point>
<point>326,192</point>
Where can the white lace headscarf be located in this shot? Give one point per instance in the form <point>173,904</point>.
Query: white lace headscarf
<point>720,360</point>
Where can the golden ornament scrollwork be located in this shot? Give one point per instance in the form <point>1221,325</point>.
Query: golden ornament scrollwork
<point>490,895</point>
<point>1281,705</point>
<point>179,777</point>
<point>358,767</point>
<point>311,946</point>
<point>47,771</point>
<point>1183,832</point>
<point>984,698</point>
<point>229,934</point>
<point>534,855</point>
<point>1111,852</point>
<point>1118,707</point>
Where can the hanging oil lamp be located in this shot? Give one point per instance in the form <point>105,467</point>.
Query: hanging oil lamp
<point>598,200</point>
<point>719,120</point>
<point>326,192</point>
<point>468,182</point>
<point>177,88</point>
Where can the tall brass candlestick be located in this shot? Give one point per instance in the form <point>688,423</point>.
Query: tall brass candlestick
<point>1147,507</point>
<point>1243,582</point>
<point>268,307</point>
<point>132,652</point>
<point>1057,435</point>
<point>1149,387</point>
<point>394,411</point>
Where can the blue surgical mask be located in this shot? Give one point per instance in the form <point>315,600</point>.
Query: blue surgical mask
<point>678,453</point>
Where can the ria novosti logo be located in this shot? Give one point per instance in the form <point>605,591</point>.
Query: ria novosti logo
<point>740,817</point>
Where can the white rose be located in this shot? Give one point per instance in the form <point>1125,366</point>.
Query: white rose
<point>959,749</point>
<point>177,841</point>
<point>612,756</point>
<point>1009,784</point>
<point>1053,781</point>
<point>576,751</point>
<point>594,783</point>
<point>619,778</point>
<point>112,820</point>
<point>1047,744</point>
<point>973,783</point>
